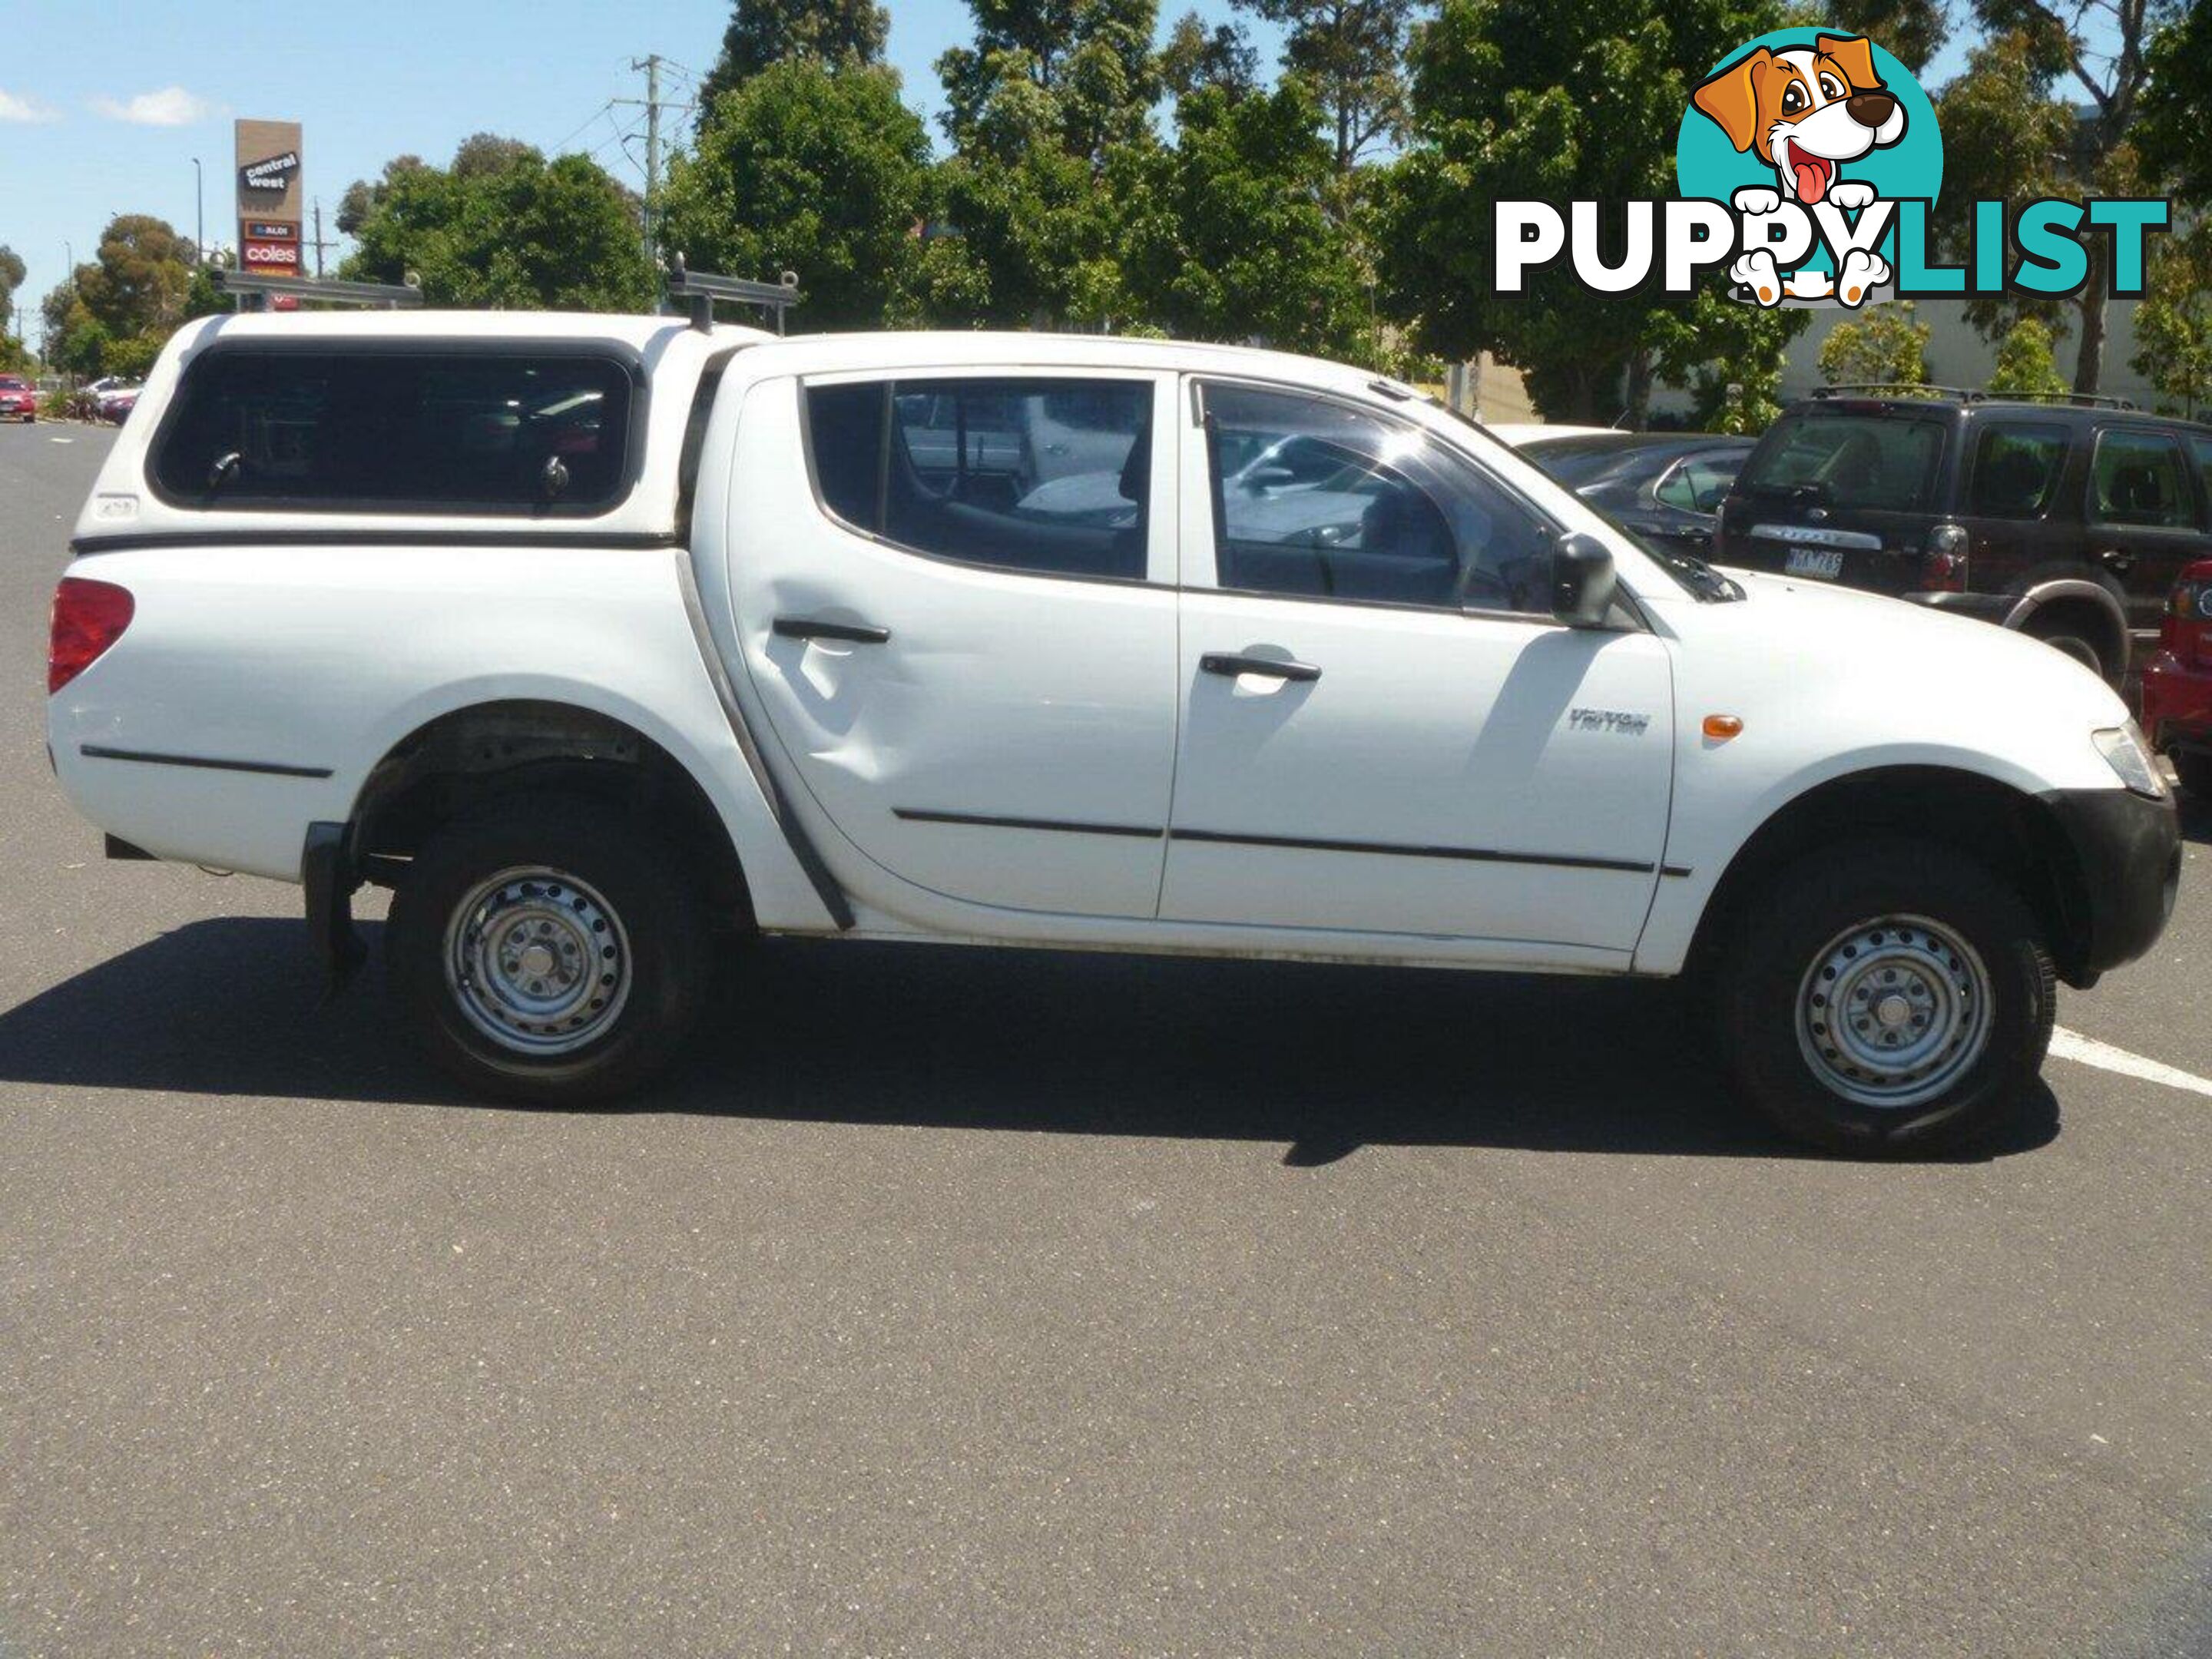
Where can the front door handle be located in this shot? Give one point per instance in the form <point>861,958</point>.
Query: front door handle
<point>2115,558</point>
<point>806,628</point>
<point>1228,663</point>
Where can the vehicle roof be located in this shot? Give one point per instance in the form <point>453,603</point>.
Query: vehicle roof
<point>637,333</point>
<point>1596,443</point>
<point>948,348</point>
<point>1967,408</point>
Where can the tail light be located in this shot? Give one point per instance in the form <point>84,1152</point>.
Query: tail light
<point>1943,566</point>
<point>88,617</point>
<point>2187,631</point>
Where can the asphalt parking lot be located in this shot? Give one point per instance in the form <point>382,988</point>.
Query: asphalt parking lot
<point>1002,1303</point>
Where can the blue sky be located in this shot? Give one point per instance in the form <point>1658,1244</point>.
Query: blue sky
<point>103,105</point>
<point>120,97</point>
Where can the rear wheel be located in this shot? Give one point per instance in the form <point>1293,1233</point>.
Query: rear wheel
<point>550,949</point>
<point>1888,997</point>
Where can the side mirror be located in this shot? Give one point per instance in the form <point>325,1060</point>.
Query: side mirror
<point>1581,582</point>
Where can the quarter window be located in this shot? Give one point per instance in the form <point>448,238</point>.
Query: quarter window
<point>2016,469</point>
<point>1319,498</point>
<point>2138,480</point>
<point>1052,478</point>
<point>393,431</point>
<point>2202,448</point>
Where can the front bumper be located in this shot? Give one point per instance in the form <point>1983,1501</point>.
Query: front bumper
<point>2127,851</point>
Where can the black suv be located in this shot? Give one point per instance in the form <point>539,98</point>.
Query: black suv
<point>2067,519</point>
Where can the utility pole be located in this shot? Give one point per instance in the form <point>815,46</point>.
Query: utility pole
<point>319,244</point>
<point>651,64</point>
<point>199,213</point>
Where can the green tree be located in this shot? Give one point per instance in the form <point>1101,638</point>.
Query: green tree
<point>833,33</point>
<point>12,271</point>
<point>1353,52</point>
<point>1525,99</point>
<point>2175,111</point>
<point>1883,347</point>
<point>2174,323</point>
<point>2024,362</point>
<point>138,278</point>
<point>824,173</point>
<point>559,235</point>
<point>1050,117</point>
<point>1234,243</point>
<point>1913,30</point>
<point>2015,128</point>
<point>1196,57</point>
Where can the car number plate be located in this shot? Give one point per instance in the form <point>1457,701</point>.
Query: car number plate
<point>1825,563</point>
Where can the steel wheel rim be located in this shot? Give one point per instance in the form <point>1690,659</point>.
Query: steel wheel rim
<point>1894,1012</point>
<point>537,961</point>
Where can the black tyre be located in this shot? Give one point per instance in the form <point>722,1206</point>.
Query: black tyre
<point>2194,768</point>
<point>2062,635</point>
<point>550,949</point>
<point>1887,998</point>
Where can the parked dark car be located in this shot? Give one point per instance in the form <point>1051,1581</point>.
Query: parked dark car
<point>2070,518</point>
<point>2176,682</point>
<point>1665,486</point>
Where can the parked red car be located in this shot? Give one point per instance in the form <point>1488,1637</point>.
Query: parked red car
<point>19,398</point>
<point>2176,682</point>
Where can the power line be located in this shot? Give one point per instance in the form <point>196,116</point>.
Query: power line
<point>581,125</point>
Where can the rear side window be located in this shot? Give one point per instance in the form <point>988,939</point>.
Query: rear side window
<point>2016,469</point>
<point>2202,449</point>
<point>2137,480</point>
<point>476,432</point>
<point>1885,462</point>
<point>1052,478</point>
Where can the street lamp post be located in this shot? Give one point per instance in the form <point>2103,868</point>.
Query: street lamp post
<point>199,212</point>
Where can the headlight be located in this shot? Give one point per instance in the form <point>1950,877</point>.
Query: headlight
<point>2129,755</point>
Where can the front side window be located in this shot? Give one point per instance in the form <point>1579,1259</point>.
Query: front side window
<point>373,430</point>
<point>2137,480</point>
<point>2201,448</point>
<point>1317,498</point>
<point>2016,469</point>
<point>1048,477</point>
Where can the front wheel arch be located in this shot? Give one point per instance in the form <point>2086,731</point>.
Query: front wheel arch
<point>2012,833</point>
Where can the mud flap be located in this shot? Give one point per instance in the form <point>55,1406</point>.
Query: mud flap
<point>327,873</point>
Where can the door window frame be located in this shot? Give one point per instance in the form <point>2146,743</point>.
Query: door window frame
<point>1160,511</point>
<point>2185,467</point>
<point>1197,520</point>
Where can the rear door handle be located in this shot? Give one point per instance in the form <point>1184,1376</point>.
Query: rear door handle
<point>806,628</point>
<point>1273,668</point>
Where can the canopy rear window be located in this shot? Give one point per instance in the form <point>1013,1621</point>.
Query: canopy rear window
<point>491,432</point>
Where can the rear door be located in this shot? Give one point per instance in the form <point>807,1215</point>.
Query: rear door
<point>962,625</point>
<point>2022,523</point>
<point>2143,519</point>
<point>1842,493</point>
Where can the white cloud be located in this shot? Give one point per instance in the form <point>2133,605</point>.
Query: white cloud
<point>172,106</point>
<point>13,108</point>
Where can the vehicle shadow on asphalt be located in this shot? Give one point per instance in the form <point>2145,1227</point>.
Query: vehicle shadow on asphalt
<point>2195,820</point>
<point>1327,1059</point>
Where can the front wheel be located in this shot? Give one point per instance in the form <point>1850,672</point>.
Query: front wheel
<point>1889,998</point>
<point>550,948</point>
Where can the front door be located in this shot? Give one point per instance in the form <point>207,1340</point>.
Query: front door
<point>1383,730</point>
<point>961,633</point>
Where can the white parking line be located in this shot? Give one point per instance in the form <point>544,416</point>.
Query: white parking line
<point>61,440</point>
<point>2088,1051</point>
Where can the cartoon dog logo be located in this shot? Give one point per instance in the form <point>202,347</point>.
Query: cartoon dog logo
<point>1805,112</point>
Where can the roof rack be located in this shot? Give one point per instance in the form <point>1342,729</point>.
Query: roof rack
<point>699,290</point>
<point>1913,388</point>
<point>2078,399</point>
<point>1966,395</point>
<point>254,289</point>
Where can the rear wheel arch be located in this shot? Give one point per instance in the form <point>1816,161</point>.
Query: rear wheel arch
<point>2009,832</point>
<point>460,762</point>
<point>2083,608</point>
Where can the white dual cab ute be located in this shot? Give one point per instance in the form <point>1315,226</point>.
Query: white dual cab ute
<point>596,638</point>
